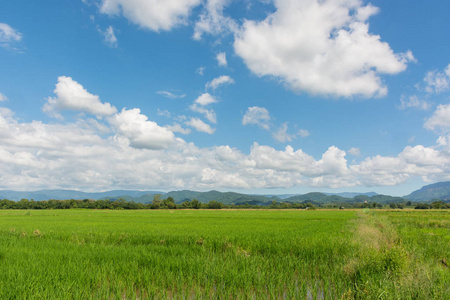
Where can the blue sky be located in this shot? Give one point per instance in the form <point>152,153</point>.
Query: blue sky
<point>284,96</point>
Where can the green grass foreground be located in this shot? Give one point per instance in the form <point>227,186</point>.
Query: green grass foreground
<point>224,254</point>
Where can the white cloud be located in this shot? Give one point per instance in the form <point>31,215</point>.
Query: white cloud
<point>84,155</point>
<point>307,170</point>
<point>281,134</point>
<point>440,120</point>
<point>199,125</point>
<point>333,162</point>
<point>303,133</point>
<point>164,113</point>
<point>205,99</point>
<point>421,156</point>
<point>109,36</point>
<point>222,59</point>
<point>197,106</point>
<point>260,116</point>
<point>219,81</point>
<point>257,116</point>
<point>176,127</point>
<point>212,21</point>
<point>8,36</point>
<point>70,95</point>
<point>413,102</point>
<point>140,132</point>
<point>200,70</point>
<point>437,81</point>
<point>444,142</point>
<point>267,158</point>
<point>3,97</point>
<point>419,161</point>
<point>208,113</point>
<point>180,118</point>
<point>354,151</point>
<point>321,47</point>
<point>170,95</point>
<point>155,15</point>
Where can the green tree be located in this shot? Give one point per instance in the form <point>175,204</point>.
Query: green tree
<point>438,205</point>
<point>215,205</point>
<point>169,203</point>
<point>195,204</point>
<point>156,203</point>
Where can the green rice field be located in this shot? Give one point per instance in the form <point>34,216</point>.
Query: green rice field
<point>224,254</point>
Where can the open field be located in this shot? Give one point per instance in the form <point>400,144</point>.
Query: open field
<point>286,254</point>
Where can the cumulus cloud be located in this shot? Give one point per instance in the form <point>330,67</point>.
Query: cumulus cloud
<point>119,152</point>
<point>3,97</point>
<point>257,116</point>
<point>222,59</point>
<point>219,81</point>
<point>109,36</point>
<point>199,125</point>
<point>205,99</point>
<point>440,120</point>
<point>321,47</point>
<point>333,162</point>
<point>212,20</point>
<point>313,172</point>
<point>155,15</point>
<point>426,162</point>
<point>170,95</point>
<point>437,81</point>
<point>267,158</point>
<point>141,133</point>
<point>413,102</point>
<point>70,95</point>
<point>9,36</point>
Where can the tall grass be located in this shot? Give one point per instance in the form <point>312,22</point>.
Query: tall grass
<point>102,254</point>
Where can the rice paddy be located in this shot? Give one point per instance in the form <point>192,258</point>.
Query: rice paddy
<point>224,254</point>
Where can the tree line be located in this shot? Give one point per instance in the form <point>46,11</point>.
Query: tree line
<point>169,203</point>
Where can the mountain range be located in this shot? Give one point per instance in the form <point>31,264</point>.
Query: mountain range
<point>69,194</point>
<point>439,190</point>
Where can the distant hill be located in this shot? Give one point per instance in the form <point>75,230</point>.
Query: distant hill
<point>280,196</point>
<point>225,198</point>
<point>309,197</point>
<point>146,198</point>
<point>70,194</point>
<point>351,194</point>
<point>342,194</point>
<point>321,198</point>
<point>204,197</point>
<point>440,190</point>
